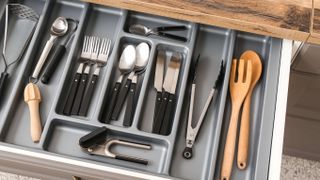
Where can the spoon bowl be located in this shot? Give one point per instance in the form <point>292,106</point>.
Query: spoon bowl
<point>127,59</point>
<point>59,26</point>
<point>142,56</point>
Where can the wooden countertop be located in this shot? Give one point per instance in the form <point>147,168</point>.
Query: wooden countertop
<point>288,19</point>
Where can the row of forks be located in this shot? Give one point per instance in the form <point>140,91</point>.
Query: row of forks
<point>95,51</point>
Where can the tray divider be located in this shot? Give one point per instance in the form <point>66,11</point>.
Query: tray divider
<point>71,57</point>
<point>24,70</point>
<point>112,59</point>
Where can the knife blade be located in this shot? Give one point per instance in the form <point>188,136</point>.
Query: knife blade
<point>167,121</point>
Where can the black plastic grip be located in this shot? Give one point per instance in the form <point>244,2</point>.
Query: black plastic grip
<point>3,78</point>
<point>172,28</point>
<point>110,106</point>
<point>157,105</point>
<point>53,64</point>
<point>96,137</point>
<point>168,119</point>
<point>128,116</point>
<point>159,118</point>
<point>72,93</point>
<point>122,97</point>
<point>132,159</point>
<point>88,96</point>
<point>171,36</point>
<point>79,95</point>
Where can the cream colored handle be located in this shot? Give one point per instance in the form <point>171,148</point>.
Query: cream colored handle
<point>243,144</point>
<point>32,97</point>
<point>229,147</point>
<point>35,121</point>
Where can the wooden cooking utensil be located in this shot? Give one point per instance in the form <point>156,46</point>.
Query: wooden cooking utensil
<point>238,90</point>
<point>243,144</point>
<point>32,97</point>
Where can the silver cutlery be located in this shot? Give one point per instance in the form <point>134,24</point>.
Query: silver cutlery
<point>95,45</point>
<point>101,61</point>
<point>164,117</point>
<point>58,28</point>
<point>84,56</point>
<point>158,31</point>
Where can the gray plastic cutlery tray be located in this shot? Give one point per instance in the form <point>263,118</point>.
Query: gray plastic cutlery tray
<point>61,133</point>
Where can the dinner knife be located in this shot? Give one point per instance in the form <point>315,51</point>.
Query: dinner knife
<point>167,86</point>
<point>158,80</point>
<point>168,119</point>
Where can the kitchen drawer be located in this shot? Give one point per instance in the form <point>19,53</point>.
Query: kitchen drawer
<point>58,149</point>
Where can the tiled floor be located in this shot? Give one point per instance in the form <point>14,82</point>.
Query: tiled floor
<point>293,168</point>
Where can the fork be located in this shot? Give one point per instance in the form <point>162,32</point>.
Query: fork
<point>100,62</point>
<point>85,56</point>
<point>239,88</point>
<point>94,44</point>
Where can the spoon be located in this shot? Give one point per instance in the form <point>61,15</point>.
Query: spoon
<point>142,59</point>
<point>243,143</point>
<point>145,31</point>
<point>126,64</point>
<point>142,55</point>
<point>58,28</point>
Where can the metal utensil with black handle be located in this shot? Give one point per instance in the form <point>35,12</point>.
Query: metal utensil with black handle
<point>85,56</point>
<point>58,53</point>
<point>100,61</point>
<point>158,80</point>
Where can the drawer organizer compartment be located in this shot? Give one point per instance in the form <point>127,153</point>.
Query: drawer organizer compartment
<point>173,57</point>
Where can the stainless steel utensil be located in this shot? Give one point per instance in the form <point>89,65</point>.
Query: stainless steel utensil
<point>143,52</point>
<point>164,117</point>
<point>23,12</point>
<point>59,51</point>
<point>158,80</point>
<point>192,131</point>
<point>95,45</point>
<point>85,56</point>
<point>58,28</point>
<point>159,31</point>
<point>101,61</point>
<point>126,65</point>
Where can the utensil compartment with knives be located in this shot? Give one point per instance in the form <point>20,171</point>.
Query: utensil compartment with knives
<point>160,127</point>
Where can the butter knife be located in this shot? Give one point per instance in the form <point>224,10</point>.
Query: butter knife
<point>158,81</point>
<point>169,94</point>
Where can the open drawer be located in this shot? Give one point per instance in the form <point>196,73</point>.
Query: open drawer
<point>58,154</point>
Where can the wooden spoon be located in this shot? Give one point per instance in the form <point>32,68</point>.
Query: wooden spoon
<point>243,144</point>
<point>33,98</point>
<point>238,90</point>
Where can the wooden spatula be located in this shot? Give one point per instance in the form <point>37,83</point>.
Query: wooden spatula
<point>33,98</point>
<point>239,88</point>
<point>243,144</point>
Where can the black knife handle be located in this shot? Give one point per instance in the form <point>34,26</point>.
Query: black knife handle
<point>159,118</point>
<point>114,97</point>
<point>129,113</point>
<point>71,95</point>
<point>3,79</point>
<point>88,96</point>
<point>78,99</point>
<point>157,105</point>
<point>171,28</point>
<point>171,36</point>
<point>122,97</point>
<point>53,64</point>
<point>131,159</point>
<point>168,119</point>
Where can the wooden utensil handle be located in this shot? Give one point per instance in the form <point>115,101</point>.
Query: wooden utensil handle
<point>243,144</point>
<point>229,147</point>
<point>35,121</point>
